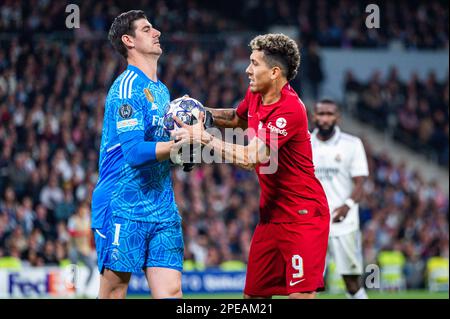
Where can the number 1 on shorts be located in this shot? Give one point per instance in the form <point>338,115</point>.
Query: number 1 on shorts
<point>116,235</point>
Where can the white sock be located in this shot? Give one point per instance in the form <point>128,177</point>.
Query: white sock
<point>360,294</point>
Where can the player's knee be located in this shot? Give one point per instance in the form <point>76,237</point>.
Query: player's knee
<point>170,289</point>
<point>168,293</point>
<point>116,291</point>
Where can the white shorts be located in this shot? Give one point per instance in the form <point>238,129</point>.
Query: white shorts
<point>346,251</point>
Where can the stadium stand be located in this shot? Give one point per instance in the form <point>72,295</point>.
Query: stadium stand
<point>53,86</point>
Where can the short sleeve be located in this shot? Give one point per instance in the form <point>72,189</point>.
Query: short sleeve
<point>242,108</point>
<point>359,165</point>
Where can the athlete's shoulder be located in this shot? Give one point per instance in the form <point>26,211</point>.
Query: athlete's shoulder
<point>349,138</point>
<point>292,99</point>
<point>128,85</point>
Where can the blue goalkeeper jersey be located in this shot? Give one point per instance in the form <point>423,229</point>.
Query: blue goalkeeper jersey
<point>132,184</point>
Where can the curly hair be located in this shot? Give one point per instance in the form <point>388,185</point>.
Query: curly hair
<point>279,50</point>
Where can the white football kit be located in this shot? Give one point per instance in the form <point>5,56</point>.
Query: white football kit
<point>336,162</point>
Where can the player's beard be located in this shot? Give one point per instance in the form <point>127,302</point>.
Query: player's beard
<point>326,133</point>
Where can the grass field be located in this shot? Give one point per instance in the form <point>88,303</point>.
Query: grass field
<point>410,294</point>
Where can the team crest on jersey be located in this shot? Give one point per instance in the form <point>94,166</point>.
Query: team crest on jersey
<point>338,158</point>
<point>126,111</point>
<point>149,95</point>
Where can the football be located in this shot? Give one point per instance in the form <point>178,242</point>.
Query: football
<point>186,109</point>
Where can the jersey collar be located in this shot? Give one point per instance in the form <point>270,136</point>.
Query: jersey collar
<point>138,71</point>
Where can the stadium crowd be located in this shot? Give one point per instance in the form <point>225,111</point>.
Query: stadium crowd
<point>415,112</point>
<point>51,110</point>
<point>412,24</point>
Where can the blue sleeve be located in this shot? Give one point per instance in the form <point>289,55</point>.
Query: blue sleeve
<point>136,151</point>
<point>130,130</point>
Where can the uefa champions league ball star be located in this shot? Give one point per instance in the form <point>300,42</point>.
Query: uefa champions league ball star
<point>188,111</point>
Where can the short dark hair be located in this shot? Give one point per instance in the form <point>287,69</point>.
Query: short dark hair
<point>123,24</point>
<point>279,50</point>
<point>327,100</point>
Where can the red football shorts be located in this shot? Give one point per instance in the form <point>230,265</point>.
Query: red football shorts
<point>287,258</point>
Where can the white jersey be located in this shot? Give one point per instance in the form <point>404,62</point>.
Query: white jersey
<point>336,162</point>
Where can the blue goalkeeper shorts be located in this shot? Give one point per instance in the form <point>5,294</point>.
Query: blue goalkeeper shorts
<point>130,246</point>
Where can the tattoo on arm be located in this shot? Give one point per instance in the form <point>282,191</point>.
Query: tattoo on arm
<point>225,117</point>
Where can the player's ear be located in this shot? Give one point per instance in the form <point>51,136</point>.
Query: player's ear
<point>128,40</point>
<point>275,73</point>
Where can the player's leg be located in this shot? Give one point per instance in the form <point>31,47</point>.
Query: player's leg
<point>352,283</point>
<point>164,261</point>
<point>265,269</point>
<point>125,242</point>
<point>164,283</point>
<point>304,247</point>
<point>113,284</point>
<point>348,257</point>
<point>303,295</point>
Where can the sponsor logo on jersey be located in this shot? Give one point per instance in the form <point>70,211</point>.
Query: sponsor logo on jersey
<point>127,123</point>
<point>149,96</point>
<point>126,111</point>
<point>277,130</point>
<point>338,158</point>
<point>281,122</point>
<point>154,106</point>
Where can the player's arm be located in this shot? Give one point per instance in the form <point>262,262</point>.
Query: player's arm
<point>225,118</point>
<point>138,152</point>
<point>130,130</point>
<point>358,190</point>
<point>359,171</point>
<point>246,157</point>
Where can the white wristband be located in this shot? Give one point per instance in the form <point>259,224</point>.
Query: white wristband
<point>350,203</point>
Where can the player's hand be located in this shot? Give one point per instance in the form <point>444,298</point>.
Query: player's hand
<point>340,213</point>
<point>181,137</point>
<point>197,133</point>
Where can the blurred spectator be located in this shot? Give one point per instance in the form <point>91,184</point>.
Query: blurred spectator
<point>52,91</point>
<point>415,113</point>
<point>80,248</point>
<point>314,71</point>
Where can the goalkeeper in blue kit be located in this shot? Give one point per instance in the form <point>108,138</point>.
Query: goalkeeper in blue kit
<point>134,215</point>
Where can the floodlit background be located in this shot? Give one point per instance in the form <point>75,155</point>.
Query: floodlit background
<point>391,82</point>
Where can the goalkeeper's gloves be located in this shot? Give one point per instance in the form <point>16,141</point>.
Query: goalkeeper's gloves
<point>209,120</point>
<point>188,166</point>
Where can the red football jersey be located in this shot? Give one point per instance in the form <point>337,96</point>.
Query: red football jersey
<point>292,192</point>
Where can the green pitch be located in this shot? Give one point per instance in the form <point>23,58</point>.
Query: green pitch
<point>410,294</point>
